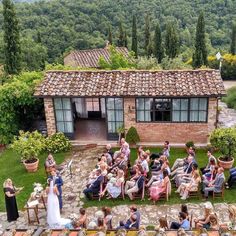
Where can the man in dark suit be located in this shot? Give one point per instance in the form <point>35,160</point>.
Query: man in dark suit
<point>216,184</point>
<point>57,180</point>
<point>95,186</point>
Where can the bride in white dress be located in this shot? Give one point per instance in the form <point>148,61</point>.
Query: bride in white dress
<point>54,219</point>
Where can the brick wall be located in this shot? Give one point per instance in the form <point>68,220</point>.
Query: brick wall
<point>174,132</point>
<point>50,118</point>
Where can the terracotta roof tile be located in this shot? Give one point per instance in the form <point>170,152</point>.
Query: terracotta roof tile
<point>131,83</point>
<point>89,58</point>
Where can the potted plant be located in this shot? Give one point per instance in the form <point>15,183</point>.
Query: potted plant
<point>132,136</point>
<point>29,146</point>
<point>224,139</point>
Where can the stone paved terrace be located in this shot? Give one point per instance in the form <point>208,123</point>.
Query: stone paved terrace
<point>83,162</point>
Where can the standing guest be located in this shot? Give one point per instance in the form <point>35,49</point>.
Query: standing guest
<point>109,150</point>
<point>57,180</point>
<point>95,186</point>
<point>10,200</point>
<point>166,149</point>
<point>183,222</point>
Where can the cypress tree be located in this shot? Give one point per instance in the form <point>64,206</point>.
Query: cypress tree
<point>11,39</point>
<point>158,49</point>
<point>125,40</point>
<point>147,33</point>
<point>200,54</point>
<point>110,35</point>
<point>233,40</point>
<point>171,41</point>
<point>134,46</point>
<point>121,39</point>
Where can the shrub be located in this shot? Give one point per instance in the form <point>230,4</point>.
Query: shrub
<point>57,142</point>
<point>132,136</point>
<point>225,140</point>
<point>145,63</point>
<point>174,64</point>
<point>29,145</point>
<point>189,144</point>
<point>230,99</point>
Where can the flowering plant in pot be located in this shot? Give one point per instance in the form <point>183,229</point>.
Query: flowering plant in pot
<point>29,146</point>
<point>224,139</point>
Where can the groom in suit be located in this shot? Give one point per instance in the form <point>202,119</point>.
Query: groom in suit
<point>95,186</point>
<point>57,180</point>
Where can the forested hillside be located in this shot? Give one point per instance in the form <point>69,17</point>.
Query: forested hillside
<point>57,26</point>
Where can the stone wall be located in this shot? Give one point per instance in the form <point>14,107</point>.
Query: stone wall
<point>50,118</point>
<point>174,132</point>
<point>70,61</point>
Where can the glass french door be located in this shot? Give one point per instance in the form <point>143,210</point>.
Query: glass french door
<point>115,116</point>
<point>93,108</point>
<point>64,118</point>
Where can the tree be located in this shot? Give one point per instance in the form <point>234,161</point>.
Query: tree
<point>200,54</point>
<point>171,41</point>
<point>158,49</point>
<point>121,39</point>
<point>147,33</point>
<point>233,40</point>
<point>125,40</point>
<point>110,35</point>
<point>11,39</point>
<point>134,46</point>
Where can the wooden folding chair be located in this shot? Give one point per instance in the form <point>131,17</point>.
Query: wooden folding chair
<point>194,194</point>
<point>140,194</point>
<point>219,194</point>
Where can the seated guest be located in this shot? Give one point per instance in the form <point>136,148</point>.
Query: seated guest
<point>214,225</point>
<point>232,178</point>
<point>134,210</point>
<point>207,167</point>
<point>109,159</point>
<point>180,162</point>
<point>131,223</point>
<point>216,184</point>
<point>126,151</point>
<point>185,188</point>
<point>186,171</point>
<point>123,145</point>
<point>134,185</point>
<point>209,176</point>
<point>158,189</point>
<point>94,188</point>
<point>183,222</point>
<point>140,153</point>
<point>191,151</point>
<point>114,185</point>
<point>180,169</point>
<point>163,224</point>
<point>205,221</point>
<point>120,163</point>
<point>107,217</point>
<point>103,168</point>
<point>231,225</point>
<point>80,222</point>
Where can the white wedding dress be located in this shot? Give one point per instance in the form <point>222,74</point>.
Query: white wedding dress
<point>54,219</point>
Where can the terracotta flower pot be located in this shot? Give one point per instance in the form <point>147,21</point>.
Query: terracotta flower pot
<point>226,164</point>
<point>32,167</point>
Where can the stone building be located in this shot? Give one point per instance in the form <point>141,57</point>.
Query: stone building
<point>89,58</point>
<point>178,105</point>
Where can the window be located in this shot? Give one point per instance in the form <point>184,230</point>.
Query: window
<point>63,112</point>
<point>115,116</point>
<point>171,110</point>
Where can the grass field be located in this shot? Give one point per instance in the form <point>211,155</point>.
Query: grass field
<point>11,167</point>
<point>201,158</point>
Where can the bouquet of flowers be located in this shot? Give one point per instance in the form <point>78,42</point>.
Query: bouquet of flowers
<point>37,190</point>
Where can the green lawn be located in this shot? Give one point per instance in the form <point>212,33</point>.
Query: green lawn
<point>11,167</point>
<point>174,198</point>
